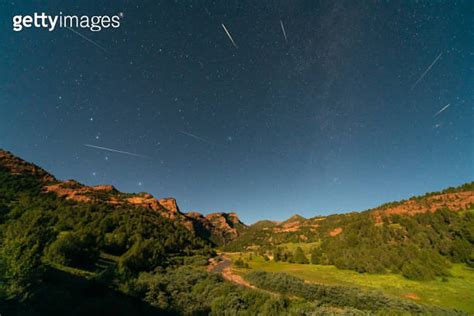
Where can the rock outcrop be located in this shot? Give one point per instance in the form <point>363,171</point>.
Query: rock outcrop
<point>217,227</point>
<point>18,166</point>
<point>455,201</point>
<point>223,227</point>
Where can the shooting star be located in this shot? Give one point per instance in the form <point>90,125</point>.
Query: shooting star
<point>283,29</point>
<point>88,39</point>
<point>197,137</point>
<point>442,110</point>
<point>427,70</point>
<point>230,37</point>
<point>116,151</point>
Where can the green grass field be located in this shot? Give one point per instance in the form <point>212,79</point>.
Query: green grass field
<point>456,292</point>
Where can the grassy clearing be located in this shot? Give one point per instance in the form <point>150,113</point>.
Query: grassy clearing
<point>456,292</point>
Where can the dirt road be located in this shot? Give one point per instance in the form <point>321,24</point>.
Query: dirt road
<point>218,268</point>
<point>224,267</point>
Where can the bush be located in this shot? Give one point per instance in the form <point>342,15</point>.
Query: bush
<point>74,250</point>
<point>144,255</point>
<point>239,263</point>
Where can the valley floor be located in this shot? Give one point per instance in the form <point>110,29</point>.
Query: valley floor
<point>456,291</point>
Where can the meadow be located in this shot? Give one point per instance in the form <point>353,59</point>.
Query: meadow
<point>456,291</point>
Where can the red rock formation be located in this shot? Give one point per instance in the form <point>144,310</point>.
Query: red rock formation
<point>222,226</point>
<point>169,204</point>
<point>18,166</point>
<point>336,231</point>
<point>453,201</point>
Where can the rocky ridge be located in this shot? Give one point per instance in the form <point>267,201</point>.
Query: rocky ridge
<point>217,227</point>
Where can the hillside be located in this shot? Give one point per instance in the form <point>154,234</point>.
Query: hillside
<point>68,248</point>
<point>218,228</point>
<point>433,230</point>
<point>299,229</point>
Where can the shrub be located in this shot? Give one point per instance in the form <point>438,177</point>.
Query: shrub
<point>73,249</point>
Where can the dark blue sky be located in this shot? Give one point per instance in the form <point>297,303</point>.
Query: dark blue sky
<point>329,120</point>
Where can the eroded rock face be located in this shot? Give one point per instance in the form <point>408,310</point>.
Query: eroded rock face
<point>145,200</point>
<point>223,227</point>
<point>73,190</point>
<point>220,227</point>
<point>452,201</point>
<point>104,188</point>
<point>170,204</point>
<point>222,223</point>
<point>195,215</point>
<point>336,231</point>
<point>18,166</point>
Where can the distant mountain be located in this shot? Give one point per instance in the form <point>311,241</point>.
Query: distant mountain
<point>418,237</point>
<point>218,228</point>
<point>299,229</point>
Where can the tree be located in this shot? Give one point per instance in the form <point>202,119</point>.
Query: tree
<point>299,257</point>
<point>277,254</point>
<point>73,249</point>
<point>20,253</point>
<point>316,255</point>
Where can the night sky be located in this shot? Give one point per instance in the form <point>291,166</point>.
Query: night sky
<point>334,118</point>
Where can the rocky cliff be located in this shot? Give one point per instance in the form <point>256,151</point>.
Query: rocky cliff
<point>218,228</point>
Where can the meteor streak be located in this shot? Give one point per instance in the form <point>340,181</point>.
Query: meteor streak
<point>197,137</point>
<point>230,36</point>
<point>116,151</point>
<point>427,70</point>
<point>88,39</point>
<point>442,110</point>
<point>283,29</point>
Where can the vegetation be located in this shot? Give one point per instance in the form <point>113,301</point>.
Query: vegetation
<point>335,295</point>
<point>40,233</point>
<point>454,291</point>
<point>63,257</point>
<point>239,263</point>
<point>299,257</point>
<point>419,247</point>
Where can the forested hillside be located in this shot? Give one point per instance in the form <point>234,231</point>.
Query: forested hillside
<point>417,240</point>
<point>62,255</point>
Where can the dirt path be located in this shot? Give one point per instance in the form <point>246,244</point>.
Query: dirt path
<point>224,267</point>
<point>220,266</point>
